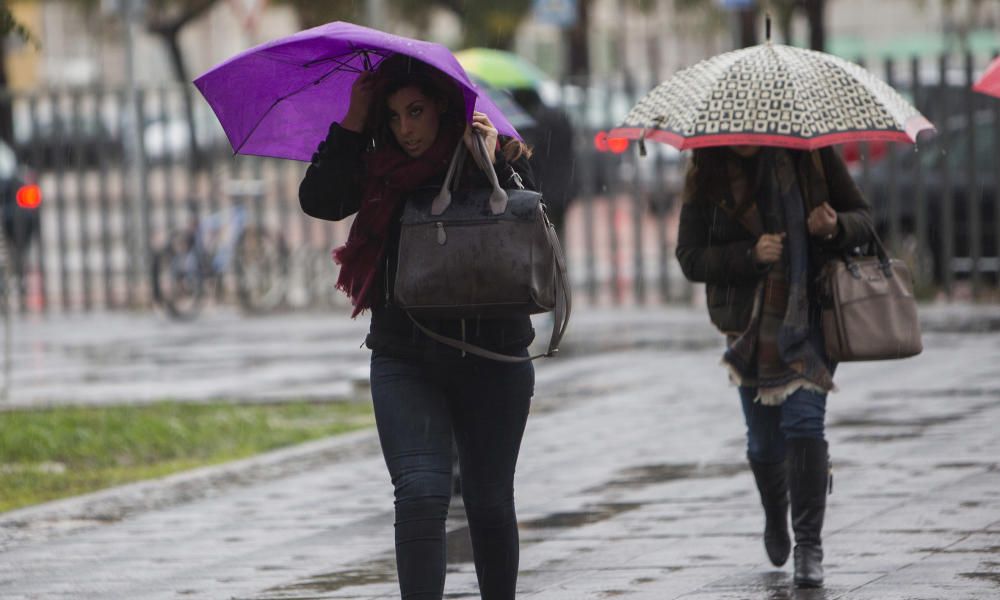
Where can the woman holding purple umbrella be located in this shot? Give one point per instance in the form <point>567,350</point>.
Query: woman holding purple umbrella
<point>757,225</point>
<point>403,125</point>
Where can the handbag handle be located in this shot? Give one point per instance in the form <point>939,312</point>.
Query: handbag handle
<point>443,198</point>
<point>498,198</point>
<point>884,261</point>
<point>824,196</point>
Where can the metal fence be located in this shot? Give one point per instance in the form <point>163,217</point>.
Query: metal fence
<point>103,217</point>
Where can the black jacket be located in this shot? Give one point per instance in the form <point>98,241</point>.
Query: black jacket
<point>716,249</point>
<point>331,190</point>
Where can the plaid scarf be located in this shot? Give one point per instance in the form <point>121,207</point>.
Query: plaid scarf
<point>778,353</point>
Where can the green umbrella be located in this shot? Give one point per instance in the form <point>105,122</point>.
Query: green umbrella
<point>500,69</point>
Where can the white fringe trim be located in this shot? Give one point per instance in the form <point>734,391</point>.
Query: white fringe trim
<point>774,396</point>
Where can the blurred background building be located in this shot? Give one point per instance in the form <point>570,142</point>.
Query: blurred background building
<point>117,189</point>
<point>83,41</point>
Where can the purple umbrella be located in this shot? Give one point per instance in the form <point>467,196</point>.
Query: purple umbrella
<point>278,99</point>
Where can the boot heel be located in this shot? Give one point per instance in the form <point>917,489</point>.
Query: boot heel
<point>808,566</point>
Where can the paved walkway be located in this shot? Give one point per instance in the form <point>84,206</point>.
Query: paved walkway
<point>631,483</point>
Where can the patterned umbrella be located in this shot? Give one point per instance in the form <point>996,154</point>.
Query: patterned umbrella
<point>772,95</point>
<point>989,83</point>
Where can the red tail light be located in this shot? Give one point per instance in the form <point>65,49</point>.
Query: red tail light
<point>601,141</point>
<point>617,145</point>
<point>29,196</point>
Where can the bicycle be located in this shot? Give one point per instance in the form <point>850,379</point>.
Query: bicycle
<point>199,256</point>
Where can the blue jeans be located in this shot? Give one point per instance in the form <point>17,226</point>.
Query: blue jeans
<point>420,407</point>
<point>801,415</point>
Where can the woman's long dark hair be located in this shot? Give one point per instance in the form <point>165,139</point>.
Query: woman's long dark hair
<point>400,71</point>
<point>708,177</point>
<point>707,169</point>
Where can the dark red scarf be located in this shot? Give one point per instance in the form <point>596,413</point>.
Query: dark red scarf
<point>389,175</point>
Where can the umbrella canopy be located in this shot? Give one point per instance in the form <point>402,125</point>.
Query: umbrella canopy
<point>772,95</point>
<point>989,83</point>
<point>501,69</point>
<point>278,99</point>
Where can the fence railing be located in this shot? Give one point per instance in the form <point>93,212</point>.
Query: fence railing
<point>102,217</point>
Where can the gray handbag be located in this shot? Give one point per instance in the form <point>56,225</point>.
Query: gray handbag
<point>869,312</point>
<point>480,253</point>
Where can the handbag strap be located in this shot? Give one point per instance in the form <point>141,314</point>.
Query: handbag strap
<point>561,313</point>
<point>498,198</point>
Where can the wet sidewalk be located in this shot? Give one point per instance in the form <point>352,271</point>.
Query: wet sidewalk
<point>631,483</point>
<point>113,358</point>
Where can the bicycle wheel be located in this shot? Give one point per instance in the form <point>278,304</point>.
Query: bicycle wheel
<point>321,280</point>
<point>178,279</point>
<point>261,270</point>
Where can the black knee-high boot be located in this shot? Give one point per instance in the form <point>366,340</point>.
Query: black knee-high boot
<point>772,483</point>
<point>808,475</point>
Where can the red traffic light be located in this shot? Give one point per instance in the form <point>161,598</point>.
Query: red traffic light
<point>29,196</point>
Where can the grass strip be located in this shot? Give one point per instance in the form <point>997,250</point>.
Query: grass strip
<point>58,452</point>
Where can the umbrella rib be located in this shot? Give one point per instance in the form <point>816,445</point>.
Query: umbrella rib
<point>282,99</point>
<point>346,57</point>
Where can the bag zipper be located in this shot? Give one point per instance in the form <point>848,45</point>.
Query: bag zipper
<point>386,277</point>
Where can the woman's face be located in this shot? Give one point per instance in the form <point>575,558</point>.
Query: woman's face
<point>745,151</point>
<point>414,119</point>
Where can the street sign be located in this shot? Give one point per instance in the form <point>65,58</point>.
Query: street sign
<point>736,4</point>
<point>561,13</point>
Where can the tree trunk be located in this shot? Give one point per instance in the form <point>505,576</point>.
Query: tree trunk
<point>816,15</point>
<point>171,39</point>
<point>6,106</point>
<point>748,27</point>
<point>169,31</point>
<point>578,59</point>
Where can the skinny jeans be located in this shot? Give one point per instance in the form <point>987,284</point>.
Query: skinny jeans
<point>420,407</point>
<point>801,415</point>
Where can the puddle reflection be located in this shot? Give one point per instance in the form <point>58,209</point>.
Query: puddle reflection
<point>661,473</point>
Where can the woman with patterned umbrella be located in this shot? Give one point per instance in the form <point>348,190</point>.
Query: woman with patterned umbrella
<point>767,204</point>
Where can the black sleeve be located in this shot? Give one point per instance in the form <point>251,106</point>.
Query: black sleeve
<point>854,216</point>
<point>520,166</point>
<point>718,264</point>
<point>331,188</point>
